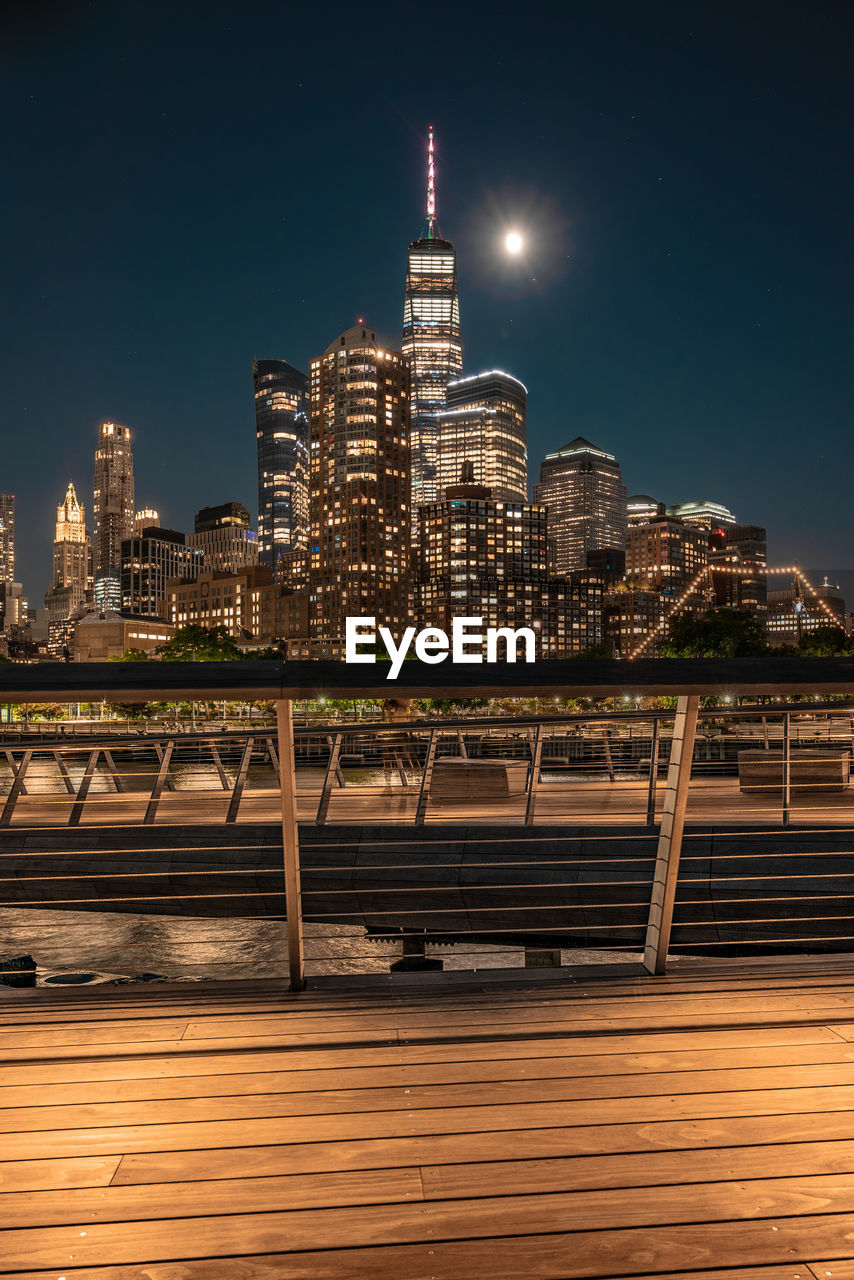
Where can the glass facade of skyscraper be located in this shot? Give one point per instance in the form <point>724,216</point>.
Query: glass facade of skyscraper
<point>485,424</point>
<point>431,339</point>
<point>281,428</point>
<point>112,511</point>
<point>359,547</point>
<point>583,489</point>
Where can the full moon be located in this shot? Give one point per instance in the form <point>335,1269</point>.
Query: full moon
<point>513,242</point>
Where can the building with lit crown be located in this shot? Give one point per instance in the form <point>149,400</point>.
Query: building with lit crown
<point>583,489</point>
<point>485,423</point>
<point>431,338</point>
<point>281,431</point>
<point>72,559</point>
<point>641,508</point>
<point>112,511</point>
<point>359,484</point>
<point>703,514</point>
<point>223,534</point>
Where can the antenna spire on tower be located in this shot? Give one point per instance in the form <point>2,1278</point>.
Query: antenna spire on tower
<point>431,187</point>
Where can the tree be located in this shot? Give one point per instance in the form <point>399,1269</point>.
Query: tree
<point>825,642</point>
<point>131,655</point>
<point>198,644</point>
<point>718,633</point>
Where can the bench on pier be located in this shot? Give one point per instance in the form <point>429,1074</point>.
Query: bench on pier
<point>460,779</point>
<point>810,769</point>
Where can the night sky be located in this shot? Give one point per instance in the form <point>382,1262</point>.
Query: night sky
<point>188,185</point>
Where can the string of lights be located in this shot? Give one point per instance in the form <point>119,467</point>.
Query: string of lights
<point>745,570</point>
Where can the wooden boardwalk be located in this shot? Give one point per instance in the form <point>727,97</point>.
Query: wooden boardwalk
<point>435,1129</point>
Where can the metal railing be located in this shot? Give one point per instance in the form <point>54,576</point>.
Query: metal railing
<point>509,839</point>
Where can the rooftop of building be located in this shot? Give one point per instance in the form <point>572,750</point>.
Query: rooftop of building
<point>580,445</point>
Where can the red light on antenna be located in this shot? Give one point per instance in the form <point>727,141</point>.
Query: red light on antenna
<point>359,320</point>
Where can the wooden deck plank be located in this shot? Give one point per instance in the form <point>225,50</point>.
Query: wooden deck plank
<point>742,1237</point>
<point>677,1094</point>
<point>51,1173</point>
<point>270,1126</point>
<point>480,1146</point>
<point>652,1168</point>
<point>414,1262</point>
<point>156,1061</point>
<point>49,1106</point>
<point>220,1197</point>
<point>617,1131</point>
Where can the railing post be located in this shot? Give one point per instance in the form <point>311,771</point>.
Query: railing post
<point>787,770</point>
<point>290,843</point>
<point>63,772</point>
<point>240,781</point>
<point>426,777</point>
<point>17,787</point>
<point>158,751</point>
<point>670,835</point>
<point>157,789</point>
<point>331,772</point>
<point>118,783</point>
<point>534,779</point>
<point>83,789</point>
<point>653,773</point>
<point>217,759</point>
<point>274,759</point>
<point>10,759</point>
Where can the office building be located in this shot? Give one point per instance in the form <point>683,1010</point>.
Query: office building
<point>147,518</point>
<point>150,559</point>
<point>431,337</point>
<point>740,553</point>
<point>7,537</point>
<point>666,555</point>
<point>72,559</point>
<point>641,508</point>
<point>359,516</point>
<point>100,635</point>
<point>223,534</point>
<point>633,612</point>
<point>485,424</point>
<point>795,611</point>
<point>112,511</point>
<point>479,557</point>
<point>703,514</point>
<point>583,489</point>
<point>281,430</point>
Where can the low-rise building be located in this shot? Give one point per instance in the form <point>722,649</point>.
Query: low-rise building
<point>101,635</point>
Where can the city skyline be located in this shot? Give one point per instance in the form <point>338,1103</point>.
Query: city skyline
<point>684,286</point>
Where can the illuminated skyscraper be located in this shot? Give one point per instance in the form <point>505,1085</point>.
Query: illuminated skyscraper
<point>112,511</point>
<point>72,559</point>
<point>281,429</point>
<point>7,537</point>
<point>583,489</point>
<point>431,338</point>
<point>359,550</point>
<point>485,424</point>
<point>72,550</point>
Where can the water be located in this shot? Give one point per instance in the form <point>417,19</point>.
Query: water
<point>117,947</point>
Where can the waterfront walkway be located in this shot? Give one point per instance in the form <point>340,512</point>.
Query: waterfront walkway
<point>579,803</point>
<point>435,1127</point>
